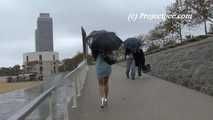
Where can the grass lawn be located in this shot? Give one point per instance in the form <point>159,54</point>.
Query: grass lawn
<point>8,87</point>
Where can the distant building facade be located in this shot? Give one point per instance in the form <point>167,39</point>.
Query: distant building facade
<point>44,61</point>
<point>44,33</point>
<point>41,63</point>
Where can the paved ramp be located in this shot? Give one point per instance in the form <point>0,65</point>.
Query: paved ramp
<point>146,98</point>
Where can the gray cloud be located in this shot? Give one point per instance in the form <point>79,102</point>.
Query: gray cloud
<point>18,22</point>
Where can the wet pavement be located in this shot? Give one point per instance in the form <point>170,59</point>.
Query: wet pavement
<point>11,102</point>
<point>145,98</point>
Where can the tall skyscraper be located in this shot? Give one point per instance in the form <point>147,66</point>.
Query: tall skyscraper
<point>44,33</point>
<point>44,61</point>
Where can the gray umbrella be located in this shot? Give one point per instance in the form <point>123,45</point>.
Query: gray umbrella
<point>103,40</point>
<point>132,44</point>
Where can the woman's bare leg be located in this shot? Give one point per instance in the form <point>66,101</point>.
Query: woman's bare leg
<point>106,87</point>
<point>101,90</point>
<point>101,87</point>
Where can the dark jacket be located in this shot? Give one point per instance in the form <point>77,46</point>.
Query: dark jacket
<point>139,58</point>
<point>127,52</point>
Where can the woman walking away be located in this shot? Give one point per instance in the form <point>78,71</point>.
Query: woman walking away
<point>103,71</point>
<point>102,44</point>
<point>130,62</point>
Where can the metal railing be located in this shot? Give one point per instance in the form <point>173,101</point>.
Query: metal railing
<point>55,101</point>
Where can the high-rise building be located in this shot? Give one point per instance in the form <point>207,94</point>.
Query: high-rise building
<point>44,61</point>
<point>44,33</point>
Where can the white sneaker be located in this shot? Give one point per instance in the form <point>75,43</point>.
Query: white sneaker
<point>102,102</point>
<point>105,101</point>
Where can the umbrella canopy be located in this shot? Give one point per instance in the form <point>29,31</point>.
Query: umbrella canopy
<point>132,44</point>
<point>103,40</point>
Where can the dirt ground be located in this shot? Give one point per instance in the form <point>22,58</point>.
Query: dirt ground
<point>8,87</point>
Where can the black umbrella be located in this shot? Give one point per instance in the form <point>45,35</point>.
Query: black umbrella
<point>103,40</point>
<point>132,44</point>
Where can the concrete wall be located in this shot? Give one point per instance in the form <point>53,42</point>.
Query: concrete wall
<point>189,65</point>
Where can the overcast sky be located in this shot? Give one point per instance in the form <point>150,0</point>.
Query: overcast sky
<point>18,22</point>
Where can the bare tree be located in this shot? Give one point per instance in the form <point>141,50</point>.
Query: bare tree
<point>159,32</point>
<point>201,11</point>
<point>174,25</point>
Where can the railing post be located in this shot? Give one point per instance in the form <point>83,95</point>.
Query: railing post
<point>50,102</point>
<point>66,110</point>
<point>68,89</point>
<point>74,85</point>
<point>85,75</point>
<point>78,78</point>
<point>66,114</point>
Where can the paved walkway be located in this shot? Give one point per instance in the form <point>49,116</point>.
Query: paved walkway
<point>146,98</point>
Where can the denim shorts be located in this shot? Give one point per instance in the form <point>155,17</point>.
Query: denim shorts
<point>103,69</point>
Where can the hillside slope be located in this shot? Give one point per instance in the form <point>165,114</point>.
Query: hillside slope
<point>190,65</point>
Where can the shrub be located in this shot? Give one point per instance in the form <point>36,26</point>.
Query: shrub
<point>200,37</point>
<point>153,47</point>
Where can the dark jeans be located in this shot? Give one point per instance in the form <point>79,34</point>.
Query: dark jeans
<point>141,67</point>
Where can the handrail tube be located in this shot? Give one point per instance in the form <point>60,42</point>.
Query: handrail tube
<point>29,108</point>
<point>23,113</point>
<point>70,73</point>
